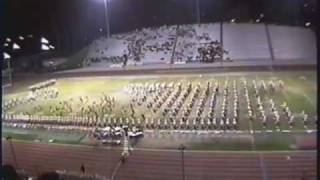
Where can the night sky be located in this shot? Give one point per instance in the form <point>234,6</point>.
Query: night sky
<point>72,24</point>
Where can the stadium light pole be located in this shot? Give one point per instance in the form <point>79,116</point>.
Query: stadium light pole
<point>198,11</point>
<point>270,47</point>
<point>221,41</point>
<point>9,69</point>
<point>106,13</point>
<point>8,138</point>
<point>7,57</point>
<point>182,148</point>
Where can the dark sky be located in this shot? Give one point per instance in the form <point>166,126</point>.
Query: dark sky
<point>71,24</point>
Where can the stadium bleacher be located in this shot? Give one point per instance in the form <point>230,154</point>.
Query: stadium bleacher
<point>180,44</point>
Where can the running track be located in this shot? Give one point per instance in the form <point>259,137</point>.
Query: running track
<point>161,165</point>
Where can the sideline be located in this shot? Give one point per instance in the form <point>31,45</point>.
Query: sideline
<point>225,151</point>
<point>204,69</point>
<point>173,150</point>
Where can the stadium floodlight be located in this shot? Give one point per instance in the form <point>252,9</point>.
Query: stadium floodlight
<point>8,40</point>
<point>21,38</point>
<point>6,55</point>
<point>30,36</point>
<point>257,20</point>
<point>51,47</point>
<point>44,47</point>
<point>16,46</point>
<point>5,44</point>
<point>44,40</point>
<point>308,24</point>
<point>233,20</point>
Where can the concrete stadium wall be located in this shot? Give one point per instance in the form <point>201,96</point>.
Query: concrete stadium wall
<point>246,41</point>
<point>293,43</point>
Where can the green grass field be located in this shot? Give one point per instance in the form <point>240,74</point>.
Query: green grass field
<point>300,89</point>
<point>44,136</point>
<point>300,94</point>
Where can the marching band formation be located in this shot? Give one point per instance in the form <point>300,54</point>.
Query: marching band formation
<point>210,106</point>
<point>34,95</point>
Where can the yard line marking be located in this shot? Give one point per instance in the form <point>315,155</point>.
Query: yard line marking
<point>253,149</point>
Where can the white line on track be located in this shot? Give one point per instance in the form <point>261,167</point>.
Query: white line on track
<point>225,151</point>
<point>263,168</point>
<point>114,172</point>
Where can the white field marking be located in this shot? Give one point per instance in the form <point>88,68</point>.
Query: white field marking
<point>309,99</point>
<point>285,130</point>
<point>148,76</point>
<point>227,132</point>
<point>304,95</point>
<point>124,77</point>
<point>311,131</point>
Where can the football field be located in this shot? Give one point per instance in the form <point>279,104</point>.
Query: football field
<point>149,96</point>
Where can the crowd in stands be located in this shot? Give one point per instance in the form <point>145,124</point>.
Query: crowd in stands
<point>211,52</point>
<point>109,51</point>
<point>198,43</point>
<point>113,59</point>
<point>194,43</point>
